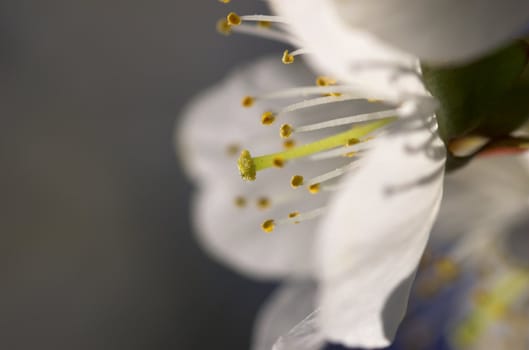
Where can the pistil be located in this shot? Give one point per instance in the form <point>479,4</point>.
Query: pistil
<point>248,165</point>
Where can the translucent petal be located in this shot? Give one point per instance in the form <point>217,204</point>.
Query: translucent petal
<point>372,240</point>
<point>487,192</point>
<point>442,31</point>
<point>288,306</point>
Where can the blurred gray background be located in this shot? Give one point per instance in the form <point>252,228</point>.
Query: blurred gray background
<point>96,247</point>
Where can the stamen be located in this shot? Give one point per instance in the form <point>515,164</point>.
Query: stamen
<point>223,27</point>
<point>248,101</point>
<point>268,118</point>
<point>225,1</point>
<point>304,91</point>
<point>268,226</point>
<point>279,162</point>
<point>287,58</point>
<point>348,120</point>
<point>314,188</point>
<point>240,202</point>
<point>332,174</point>
<point>263,203</point>
<point>331,188</point>
<point>285,198</point>
<point>266,18</point>
<point>288,144</point>
<point>264,24</point>
<point>297,217</point>
<point>285,131</point>
<point>296,181</point>
<point>352,142</point>
<point>348,151</point>
<point>233,19</point>
<point>325,81</point>
<point>249,166</point>
<point>316,102</point>
<point>264,32</point>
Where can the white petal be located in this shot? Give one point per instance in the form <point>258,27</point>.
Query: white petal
<point>375,234</point>
<point>234,236</point>
<point>289,305</point>
<point>485,193</point>
<point>438,30</point>
<point>305,335</point>
<point>348,54</point>
<point>215,119</point>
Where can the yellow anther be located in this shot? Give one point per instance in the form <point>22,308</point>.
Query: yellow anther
<point>285,131</point>
<point>240,202</point>
<point>352,142</point>
<point>296,181</point>
<point>223,27</point>
<point>268,118</point>
<point>293,214</point>
<point>446,269</point>
<point>288,144</point>
<point>314,188</point>
<point>247,166</point>
<point>247,101</point>
<point>225,1</point>
<point>232,149</point>
<point>325,81</point>
<point>233,19</point>
<point>264,24</point>
<point>287,58</point>
<point>263,203</point>
<point>278,162</point>
<point>334,94</point>
<point>268,226</point>
<point>350,154</point>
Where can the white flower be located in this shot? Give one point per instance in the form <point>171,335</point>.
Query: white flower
<point>372,230</point>
<point>360,237</point>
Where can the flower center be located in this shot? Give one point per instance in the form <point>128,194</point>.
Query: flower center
<point>332,145</point>
<point>342,148</point>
